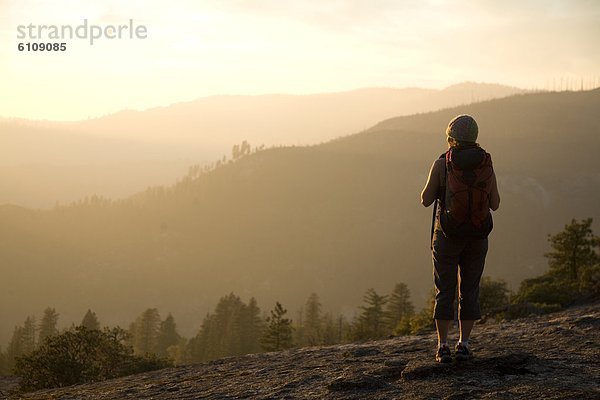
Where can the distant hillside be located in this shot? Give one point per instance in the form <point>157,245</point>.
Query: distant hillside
<point>282,119</point>
<point>44,162</point>
<point>335,219</point>
<point>549,357</point>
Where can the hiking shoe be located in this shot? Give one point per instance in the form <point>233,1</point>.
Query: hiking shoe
<point>462,353</point>
<point>443,355</point>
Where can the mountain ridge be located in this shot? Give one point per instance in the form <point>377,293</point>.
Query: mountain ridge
<point>47,162</point>
<point>461,86</point>
<point>335,219</point>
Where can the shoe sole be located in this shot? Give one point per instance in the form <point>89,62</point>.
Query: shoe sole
<point>444,359</point>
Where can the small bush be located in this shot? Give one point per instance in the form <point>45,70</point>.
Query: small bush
<point>422,322</point>
<point>403,327</point>
<point>573,276</point>
<point>548,289</point>
<point>526,309</point>
<point>493,294</point>
<point>589,283</point>
<point>79,356</point>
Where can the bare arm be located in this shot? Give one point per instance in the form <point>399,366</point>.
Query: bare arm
<point>494,195</point>
<point>430,192</point>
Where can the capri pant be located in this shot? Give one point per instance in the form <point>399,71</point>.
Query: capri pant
<point>453,258</point>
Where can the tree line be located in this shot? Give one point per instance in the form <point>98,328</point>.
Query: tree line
<point>236,327</point>
<point>194,172</point>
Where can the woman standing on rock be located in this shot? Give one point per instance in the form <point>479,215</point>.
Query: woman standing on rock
<point>464,183</point>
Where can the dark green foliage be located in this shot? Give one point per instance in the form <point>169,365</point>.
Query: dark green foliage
<point>90,320</point>
<point>278,333</point>
<point>145,332</point>
<point>167,336</point>
<point>399,309</point>
<point>370,324</point>
<point>80,355</point>
<point>525,309</point>
<point>403,327</point>
<point>28,337</point>
<point>493,294</point>
<point>589,282</point>
<point>4,370</point>
<point>15,347</point>
<point>233,329</point>
<point>313,321</point>
<point>573,250</point>
<point>252,327</point>
<point>423,321</point>
<point>332,329</point>
<point>48,323</point>
<point>574,273</point>
<point>547,289</point>
<point>21,343</point>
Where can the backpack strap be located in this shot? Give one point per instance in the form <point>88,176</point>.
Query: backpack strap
<point>444,180</point>
<point>436,206</point>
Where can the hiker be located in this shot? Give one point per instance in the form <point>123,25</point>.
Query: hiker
<point>463,186</point>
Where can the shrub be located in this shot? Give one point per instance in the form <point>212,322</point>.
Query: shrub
<point>493,294</point>
<point>526,309</point>
<point>574,273</point>
<point>547,289</point>
<point>422,322</point>
<point>403,326</point>
<point>589,282</point>
<point>79,356</point>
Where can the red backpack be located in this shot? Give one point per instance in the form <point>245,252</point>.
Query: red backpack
<point>465,203</point>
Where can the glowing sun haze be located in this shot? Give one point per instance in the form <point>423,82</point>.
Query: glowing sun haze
<point>200,48</point>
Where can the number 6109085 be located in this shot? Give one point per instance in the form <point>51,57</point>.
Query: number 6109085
<point>42,46</point>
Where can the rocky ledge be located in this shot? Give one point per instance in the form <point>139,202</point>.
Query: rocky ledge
<point>555,356</point>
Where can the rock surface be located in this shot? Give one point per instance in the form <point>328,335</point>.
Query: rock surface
<point>555,356</point>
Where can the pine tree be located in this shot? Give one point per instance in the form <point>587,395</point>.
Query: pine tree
<point>90,321</point>
<point>22,342</point>
<point>15,347</point>
<point>399,309</point>
<point>330,330</point>
<point>313,331</point>
<point>574,273</point>
<point>222,333</point>
<point>47,326</point>
<point>573,250</point>
<point>29,334</point>
<point>252,327</point>
<point>298,328</point>
<point>145,332</point>
<point>493,294</point>
<point>371,323</point>
<point>278,333</point>
<point>423,320</point>
<point>226,329</point>
<point>167,336</point>
<point>3,363</point>
<point>196,349</point>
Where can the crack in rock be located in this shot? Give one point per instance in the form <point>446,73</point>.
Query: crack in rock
<point>510,364</point>
<point>357,382</point>
<point>363,352</point>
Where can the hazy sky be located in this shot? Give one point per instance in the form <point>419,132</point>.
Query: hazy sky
<point>197,48</point>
